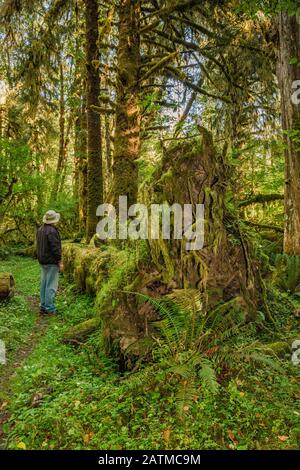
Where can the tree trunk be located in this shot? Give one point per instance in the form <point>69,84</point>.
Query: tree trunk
<point>127,133</point>
<point>1,120</point>
<point>107,147</point>
<point>94,157</point>
<point>60,160</point>
<point>82,169</point>
<point>289,48</point>
<point>77,134</point>
<point>65,152</point>
<point>80,140</point>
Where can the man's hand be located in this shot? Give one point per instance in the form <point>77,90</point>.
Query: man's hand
<point>61,266</point>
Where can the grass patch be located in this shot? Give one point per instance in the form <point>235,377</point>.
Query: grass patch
<point>16,316</point>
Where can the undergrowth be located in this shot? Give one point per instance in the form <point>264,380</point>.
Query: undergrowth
<point>72,397</point>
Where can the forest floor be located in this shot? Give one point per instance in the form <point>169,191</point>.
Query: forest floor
<point>58,396</point>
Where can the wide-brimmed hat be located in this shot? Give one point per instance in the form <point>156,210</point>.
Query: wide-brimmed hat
<point>51,217</point>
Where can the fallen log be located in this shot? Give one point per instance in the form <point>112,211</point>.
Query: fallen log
<point>275,228</point>
<point>7,285</point>
<point>261,199</point>
<point>80,332</point>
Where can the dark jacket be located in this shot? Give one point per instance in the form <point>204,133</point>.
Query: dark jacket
<point>48,245</point>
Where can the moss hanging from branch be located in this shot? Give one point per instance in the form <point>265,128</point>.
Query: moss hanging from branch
<point>261,199</point>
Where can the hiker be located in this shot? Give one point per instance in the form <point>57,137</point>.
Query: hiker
<point>49,257</point>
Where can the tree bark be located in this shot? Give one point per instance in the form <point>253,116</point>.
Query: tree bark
<point>61,153</point>
<point>94,157</point>
<point>65,153</point>
<point>82,169</point>
<point>77,135</point>
<point>128,120</point>
<point>1,120</point>
<point>289,48</point>
<point>107,144</point>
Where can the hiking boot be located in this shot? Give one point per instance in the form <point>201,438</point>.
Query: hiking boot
<point>46,312</point>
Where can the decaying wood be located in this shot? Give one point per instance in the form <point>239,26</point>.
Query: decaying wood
<point>224,270</point>
<point>81,332</point>
<point>261,199</point>
<point>7,285</point>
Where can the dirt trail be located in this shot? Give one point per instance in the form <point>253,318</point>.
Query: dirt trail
<point>38,330</point>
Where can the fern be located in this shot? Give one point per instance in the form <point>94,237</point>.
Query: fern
<point>143,378</point>
<point>185,395</point>
<point>266,360</point>
<point>190,345</point>
<point>287,272</point>
<point>172,319</point>
<point>208,377</point>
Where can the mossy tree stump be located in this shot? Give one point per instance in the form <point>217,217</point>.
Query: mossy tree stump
<point>225,271</point>
<point>225,268</point>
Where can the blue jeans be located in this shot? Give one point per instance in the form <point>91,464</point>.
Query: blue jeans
<point>49,285</point>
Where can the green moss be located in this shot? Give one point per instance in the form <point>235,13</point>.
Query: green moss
<point>121,268</point>
<point>86,266</point>
<point>81,331</point>
<point>161,256</point>
<point>105,272</point>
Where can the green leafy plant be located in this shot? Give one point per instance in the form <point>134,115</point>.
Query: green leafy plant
<point>192,348</point>
<point>287,272</point>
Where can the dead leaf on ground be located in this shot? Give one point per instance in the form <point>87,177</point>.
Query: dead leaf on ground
<point>232,437</point>
<point>283,438</point>
<point>167,435</point>
<point>87,437</point>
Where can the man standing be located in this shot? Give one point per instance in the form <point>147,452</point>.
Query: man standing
<point>49,257</point>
